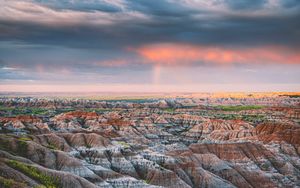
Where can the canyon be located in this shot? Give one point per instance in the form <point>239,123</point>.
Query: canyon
<point>249,141</point>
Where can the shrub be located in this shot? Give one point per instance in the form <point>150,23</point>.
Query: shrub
<point>22,147</point>
<point>36,174</point>
<point>4,144</point>
<point>52,146</point>
<point>10,183</point>
<point>239,108</point>
<point>24,138</point>
<point>6,183</point>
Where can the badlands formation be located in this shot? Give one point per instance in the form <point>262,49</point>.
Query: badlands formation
<point>212,142</point>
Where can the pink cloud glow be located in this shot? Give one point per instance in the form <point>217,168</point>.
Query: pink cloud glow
<point>181,54</point>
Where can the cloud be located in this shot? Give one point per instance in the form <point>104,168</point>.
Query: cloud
<point>183,54</point>
<point>113,63</point>
<point>290,3</point>
<point>30,12</point>
<point>246,4</point>
<point>78,41</point>
<point>91,24</point>
<point>110,6</point>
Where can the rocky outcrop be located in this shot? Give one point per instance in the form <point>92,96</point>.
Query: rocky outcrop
<point>271,132</point>
<point>157,143</point>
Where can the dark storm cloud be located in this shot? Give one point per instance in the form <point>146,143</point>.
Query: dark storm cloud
<point>161,8</point>
<point>290,3</point>
<point>165,21</point>
<point>245,4</point>
<point>80,5</point>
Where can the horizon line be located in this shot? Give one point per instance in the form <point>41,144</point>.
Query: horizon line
<point>147,88</point>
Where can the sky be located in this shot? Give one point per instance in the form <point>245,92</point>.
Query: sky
<point>149,45</point>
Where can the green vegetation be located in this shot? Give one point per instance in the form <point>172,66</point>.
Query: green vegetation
<point>22,147</point>
<point>6,183</point>
<point>99,110</point>
<point>13,111</point>
<point>131,100</point>
<point>37,111</point>
<point>4,143</point>
<point>52,146</point>
<point>265,166</point>
<point>34,173</point>
<point>63,110</point>
<point>24,138</point>
<point>9,183</point>
<point>249,118</point>
<point>4,108</point>
<point>239,108</point>
<point>147,181</point>
<point>124,144</point>
<point>170,110</point>
<point>254,118</point>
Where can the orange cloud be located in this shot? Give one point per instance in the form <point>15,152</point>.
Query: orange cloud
<point>180,54</point>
